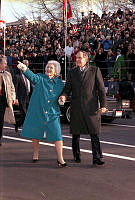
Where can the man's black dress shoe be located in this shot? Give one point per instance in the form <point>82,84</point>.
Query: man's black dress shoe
<point>77,159</point>
<point>0,143</point>
<point>35,160</point>
<point>98,161</point>
<point>62,165</point>
<point>16,128</point>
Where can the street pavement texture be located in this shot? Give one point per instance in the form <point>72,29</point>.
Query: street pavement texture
<point>21,179</point>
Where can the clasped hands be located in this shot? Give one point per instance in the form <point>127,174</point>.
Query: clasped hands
<point>62,100</point>
<point>103,109</point>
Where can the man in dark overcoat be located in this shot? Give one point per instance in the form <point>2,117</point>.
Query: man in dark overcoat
<point>23,89</point>
<point>88,100</point>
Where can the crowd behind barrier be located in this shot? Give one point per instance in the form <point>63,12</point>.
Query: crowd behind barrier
<point>109,40</point>
<point>104,70</point>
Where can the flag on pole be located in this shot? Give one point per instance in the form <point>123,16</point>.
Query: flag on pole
<point>69,10</point>
<point>3,25</point>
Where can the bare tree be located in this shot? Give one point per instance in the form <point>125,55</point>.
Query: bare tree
<point>53,9</point>
<point>111,5</point>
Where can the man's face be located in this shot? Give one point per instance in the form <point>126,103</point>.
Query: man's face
<point>118,53</point>
<point>3,65</point>
<point>70,43</point>
<point>81,60</point>
<point>109,52</point>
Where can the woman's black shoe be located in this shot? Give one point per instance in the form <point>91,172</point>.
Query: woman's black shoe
<point>97,161</point>
<point>61,165</point>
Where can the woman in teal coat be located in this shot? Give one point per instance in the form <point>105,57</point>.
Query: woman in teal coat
<point>43,115</point>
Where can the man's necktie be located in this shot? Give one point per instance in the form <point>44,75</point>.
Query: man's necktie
<point>1,82</point>
<point>26,85</point>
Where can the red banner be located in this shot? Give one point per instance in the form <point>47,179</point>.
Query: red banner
<point>69,10</point>
<point>2,24</point>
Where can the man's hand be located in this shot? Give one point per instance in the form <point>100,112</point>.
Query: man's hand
<point>21,66</point>
<point>13,102</point>
<point>103,110</point>
<point>62,100</point>
<point>16,102</point>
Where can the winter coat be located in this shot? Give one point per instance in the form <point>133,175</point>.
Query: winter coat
<point>44,111</point>
<point>10,96</point>
<point>88,95</point>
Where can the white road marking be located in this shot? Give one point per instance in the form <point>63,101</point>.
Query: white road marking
<point>70,148</point>
<point>120,125</point>
<point>43,196</point>
<point>104,142</point>
<point>85,139</point>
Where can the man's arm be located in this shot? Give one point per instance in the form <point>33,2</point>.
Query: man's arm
<point>67,89</point>
<point>68,85</point>
<point>13,94</point>
<point>101,90</point>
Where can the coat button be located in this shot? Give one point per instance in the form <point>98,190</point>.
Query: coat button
<point>48,101</point>
<point>50,90</point>
<point>46,112</point>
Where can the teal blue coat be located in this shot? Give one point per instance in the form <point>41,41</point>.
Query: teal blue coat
<point>43,115</point>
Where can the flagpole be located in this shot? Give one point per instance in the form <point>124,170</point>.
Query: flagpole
<point>4,39</point>
<point>0,9</point>
<point>63,15</point>
<point>65,40</point>
<point>4,33</point>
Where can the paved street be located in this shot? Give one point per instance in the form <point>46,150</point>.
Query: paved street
<point>20,179</point>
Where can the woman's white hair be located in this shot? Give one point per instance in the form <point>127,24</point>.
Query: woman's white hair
<point>57,66</point>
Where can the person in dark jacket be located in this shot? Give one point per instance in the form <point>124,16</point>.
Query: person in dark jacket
<point>87,87</point>
<point>126,89</point>
<point>110,60</point>
<point>23,93</point>
<point>126,92</point>
<point>100,61</point>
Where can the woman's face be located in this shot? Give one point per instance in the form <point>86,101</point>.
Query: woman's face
<point>51,70</point>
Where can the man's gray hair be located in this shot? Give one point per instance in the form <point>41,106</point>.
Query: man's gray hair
<point>57,66</point>
<point>2,57</point>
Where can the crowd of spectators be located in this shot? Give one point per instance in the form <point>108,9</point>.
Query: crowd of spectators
<point>109,40</point>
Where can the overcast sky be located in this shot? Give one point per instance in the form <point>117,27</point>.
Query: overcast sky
<point>11,8</point>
